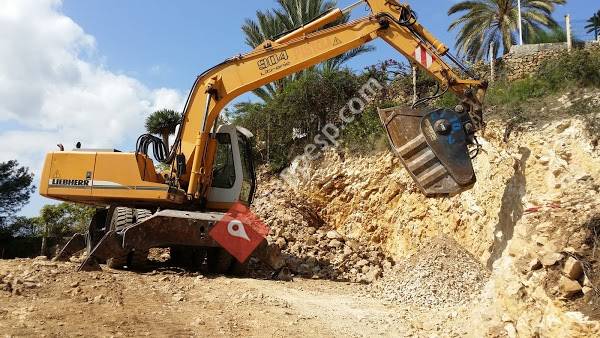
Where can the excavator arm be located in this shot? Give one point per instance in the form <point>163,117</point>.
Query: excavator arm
<point>305,47</point>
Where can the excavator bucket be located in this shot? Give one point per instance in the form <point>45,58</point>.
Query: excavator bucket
<point>432,145</point>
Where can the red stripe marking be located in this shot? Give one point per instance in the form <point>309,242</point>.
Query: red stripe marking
<point>423,56</point>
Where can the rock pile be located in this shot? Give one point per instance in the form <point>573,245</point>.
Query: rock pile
<point>440,273</point>
<point>310,247</point>
<point>17,281</point>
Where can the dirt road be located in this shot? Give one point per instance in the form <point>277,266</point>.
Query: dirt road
<point>43,298</point>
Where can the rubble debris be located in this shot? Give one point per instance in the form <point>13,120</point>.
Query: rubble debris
<point>551,258</point>
<point>534,264</point>
<point>310,248</point>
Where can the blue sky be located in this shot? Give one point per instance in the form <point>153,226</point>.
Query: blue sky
<point>92,70</point>
<point>166,43</point>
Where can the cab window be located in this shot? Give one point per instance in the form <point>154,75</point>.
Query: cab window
<point>223,168</point>
<point>248,183</point>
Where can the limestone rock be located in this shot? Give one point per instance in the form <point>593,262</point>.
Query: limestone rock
<point>178,297</point>
<point>372,275</point>
<point>334,235</point>
<point>573,268</point>
<point>568,287</point>
<point>534,264</point>
<point>334,243</point>
<point>280,242</point>
<point>362,263</point>
<point>550,259</point>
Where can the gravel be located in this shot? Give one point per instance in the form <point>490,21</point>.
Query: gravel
<point>440,273</point>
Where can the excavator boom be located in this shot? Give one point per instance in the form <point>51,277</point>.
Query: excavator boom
<point>394,23</point>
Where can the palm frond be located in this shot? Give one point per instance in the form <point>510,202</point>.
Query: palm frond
<point>482,22</point>
<point>290,15</point>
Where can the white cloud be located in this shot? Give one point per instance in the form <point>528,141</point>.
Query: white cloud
<point>54,89</point>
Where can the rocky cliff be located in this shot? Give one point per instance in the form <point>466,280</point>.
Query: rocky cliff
<point>521,247</point>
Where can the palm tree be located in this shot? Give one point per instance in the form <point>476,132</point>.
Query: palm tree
<point>594,25</point>
<point>486,21</point>
<point>290,15</point>
<point>163,122</point>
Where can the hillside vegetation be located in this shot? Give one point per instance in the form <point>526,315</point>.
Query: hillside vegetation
<point>289,121</point>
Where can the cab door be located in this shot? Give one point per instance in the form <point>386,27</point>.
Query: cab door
<point>233,171</point>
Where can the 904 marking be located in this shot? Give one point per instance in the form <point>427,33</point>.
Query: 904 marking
<point>273,63</point>
<point>272,60</point>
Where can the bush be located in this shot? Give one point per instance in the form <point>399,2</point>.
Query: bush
<point>365,133</point>
<point>578,68</point>
<point>297,114</point>
<point>513,93</point>
<point>448,100</point>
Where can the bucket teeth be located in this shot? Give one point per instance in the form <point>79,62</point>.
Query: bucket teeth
<point>433,174</point>
<point>412,146</point>
<point>419,160</point>
<point>423,164</point>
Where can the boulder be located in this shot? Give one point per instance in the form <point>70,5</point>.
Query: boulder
<point>573,268</point>
<point>534,264</point>
<point>372,275</point>
<point>280,242</point>
<point>353,244</point>
<point>334,235</point>
<point>362,263</point>
<point>334,243</point>
<point>568,287</point>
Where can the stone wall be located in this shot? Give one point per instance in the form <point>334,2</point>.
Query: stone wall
<point>524,60</point>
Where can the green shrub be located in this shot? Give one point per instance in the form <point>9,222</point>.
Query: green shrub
<point>512,93</point>
<point>577,68</point>
<point>448,100</point>
<point>366,132</point>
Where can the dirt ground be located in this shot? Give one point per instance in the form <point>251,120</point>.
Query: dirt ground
<point>44,298</point>
<point>500,267</point>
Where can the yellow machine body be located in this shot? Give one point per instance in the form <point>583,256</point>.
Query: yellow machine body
<point>104,178</point>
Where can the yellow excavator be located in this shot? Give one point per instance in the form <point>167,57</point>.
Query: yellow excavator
<point>211,166</point>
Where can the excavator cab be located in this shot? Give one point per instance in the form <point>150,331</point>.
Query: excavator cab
<point>433,146</point>
<point>234,179</point>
